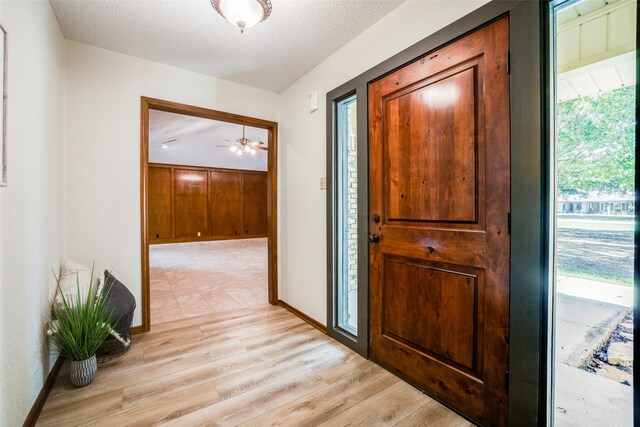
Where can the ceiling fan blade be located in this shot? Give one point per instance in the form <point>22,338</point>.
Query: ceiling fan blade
<point>254,143</point>
<point>168,142</point>
<point>226,145</point>
<point>261,148</point>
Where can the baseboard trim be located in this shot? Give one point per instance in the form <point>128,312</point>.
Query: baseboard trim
<point>34,413</point>
<point>135,330</point>
<point>313,322</point>
<point>207,238</point>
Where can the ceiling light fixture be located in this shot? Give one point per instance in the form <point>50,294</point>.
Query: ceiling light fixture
<point>244,145</point>
<point>243,13</point>
<point>166,143</point>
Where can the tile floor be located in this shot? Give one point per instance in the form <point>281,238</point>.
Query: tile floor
<point>195,279</point>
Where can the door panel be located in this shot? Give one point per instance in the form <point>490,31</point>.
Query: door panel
<point>416,295</point>
<point>255,203</point>
<point>159,203</point>
<point>436,179</point>
<point>440,189</point>
<point>226,203</point>
<point>190,202</point>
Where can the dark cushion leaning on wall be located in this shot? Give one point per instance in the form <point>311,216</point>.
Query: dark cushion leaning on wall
<point>123,303</point>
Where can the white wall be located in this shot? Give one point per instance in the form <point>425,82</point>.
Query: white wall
<point>102,127</point>
<point>303,142</point>
<point>31,220</point>
<point>102,106</point>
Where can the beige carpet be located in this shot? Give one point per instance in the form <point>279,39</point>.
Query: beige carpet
<point>195,279</point>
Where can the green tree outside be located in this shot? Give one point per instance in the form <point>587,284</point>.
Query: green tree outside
<point>596,144</point>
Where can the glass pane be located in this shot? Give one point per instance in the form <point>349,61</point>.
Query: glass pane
<point>594,213</point>
<point>347,203</point>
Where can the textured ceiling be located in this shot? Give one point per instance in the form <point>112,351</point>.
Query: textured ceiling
<point>195,141</point>
<point>164,126</point>
<point>190,34</point>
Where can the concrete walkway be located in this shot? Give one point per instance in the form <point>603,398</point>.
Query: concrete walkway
<point>586,313</point>
<point>587,400</point>
<point>597,291</point>
<point>583,325</point>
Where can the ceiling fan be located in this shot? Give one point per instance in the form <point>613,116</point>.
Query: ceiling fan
<point>243,146</point>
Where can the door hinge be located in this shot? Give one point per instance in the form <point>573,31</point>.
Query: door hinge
<point>508,62</point>
<point>509,223</point>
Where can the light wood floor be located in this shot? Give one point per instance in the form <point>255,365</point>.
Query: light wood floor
<point>252,366</point>
<point>193,279</point>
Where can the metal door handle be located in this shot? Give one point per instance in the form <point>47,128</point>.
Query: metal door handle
<point>374,238</point>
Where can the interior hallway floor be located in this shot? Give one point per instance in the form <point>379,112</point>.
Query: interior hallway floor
<point>194,279</point>
<point>258,366</point>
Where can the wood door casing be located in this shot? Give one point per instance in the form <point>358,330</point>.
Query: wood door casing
<point>440,182</point>
<point>148,104</point>
<point>226,203</point>
<point>254,197</point>
<point>190,202</point>
<point>160,204</point>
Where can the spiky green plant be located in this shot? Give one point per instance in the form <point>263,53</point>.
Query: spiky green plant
<point>81,323</point>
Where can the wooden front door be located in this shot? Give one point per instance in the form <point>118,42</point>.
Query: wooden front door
<point>439,204</point>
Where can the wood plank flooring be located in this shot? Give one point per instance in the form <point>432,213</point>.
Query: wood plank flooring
<point>254,366</point>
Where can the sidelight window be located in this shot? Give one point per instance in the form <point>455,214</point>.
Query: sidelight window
<point>347,230</point>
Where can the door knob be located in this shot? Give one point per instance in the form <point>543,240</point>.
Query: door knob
<point>374,238</point>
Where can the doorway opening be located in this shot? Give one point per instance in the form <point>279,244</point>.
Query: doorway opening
<point>208,198</point>
<point>594,212</point>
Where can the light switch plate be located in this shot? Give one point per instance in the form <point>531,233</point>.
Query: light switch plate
<point>323,183</point>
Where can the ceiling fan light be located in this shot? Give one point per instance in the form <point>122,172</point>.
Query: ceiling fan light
<point>240,153</point>
<point>243,13</point>
<point>233,148</point>
<point>253,152</point>
<point>246,149</point>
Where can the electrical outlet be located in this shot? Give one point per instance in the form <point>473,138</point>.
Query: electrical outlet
<point>323,183</point>
<point>199,234</point>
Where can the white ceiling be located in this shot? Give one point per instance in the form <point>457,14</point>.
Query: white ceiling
<point>190,34</point>
<point>201,142</point>
<point>580,8</point>
<point>595,47</point>
<point>603,76</point>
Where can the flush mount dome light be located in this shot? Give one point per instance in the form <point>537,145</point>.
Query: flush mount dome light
<point>243,13</point>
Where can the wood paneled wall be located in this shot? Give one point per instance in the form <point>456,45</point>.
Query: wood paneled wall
<point>192,203</point>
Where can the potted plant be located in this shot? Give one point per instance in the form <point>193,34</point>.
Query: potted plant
<point>81,322</point>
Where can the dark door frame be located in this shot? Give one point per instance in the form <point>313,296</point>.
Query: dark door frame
<point>360,342</point>
<point>529,197</point>
<point>636,236</point>
<point>147,104</point>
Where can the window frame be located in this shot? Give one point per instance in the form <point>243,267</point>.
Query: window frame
<point>358,341</point>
